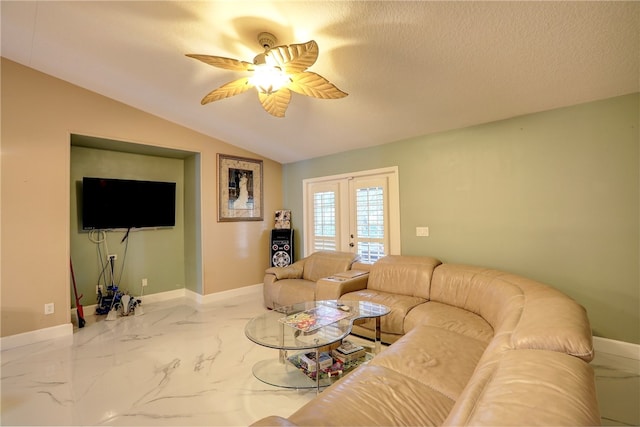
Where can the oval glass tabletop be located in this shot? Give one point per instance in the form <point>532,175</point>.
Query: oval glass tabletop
<point>310,324</point>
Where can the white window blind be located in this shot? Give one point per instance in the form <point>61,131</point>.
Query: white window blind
<point>324,225</point>
<point>370,226</point>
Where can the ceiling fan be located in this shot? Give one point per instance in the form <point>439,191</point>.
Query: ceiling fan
<point>275,73</point>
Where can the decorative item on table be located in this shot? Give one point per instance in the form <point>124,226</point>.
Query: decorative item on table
<point>314,318</point>
<point>283,219</point>
<point>308,361</point>
<point>348,352</point>
<point>348,347</point>
<point>307,364</point>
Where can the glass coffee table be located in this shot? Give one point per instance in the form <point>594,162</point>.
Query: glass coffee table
<point>306,326</point>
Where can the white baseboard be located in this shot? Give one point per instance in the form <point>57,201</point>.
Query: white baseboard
<point>219,296</point>
<point>617,348</point>
<point>44,334</point>
<point>66,330</point>
<point>147,299</point>
<point>163,296</point>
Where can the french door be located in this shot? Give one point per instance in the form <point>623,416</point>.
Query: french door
<point>358,212</point>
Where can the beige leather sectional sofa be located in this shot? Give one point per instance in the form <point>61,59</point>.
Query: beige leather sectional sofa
<point>470,346</point>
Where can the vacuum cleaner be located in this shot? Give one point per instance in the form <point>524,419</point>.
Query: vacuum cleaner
<point>115,302</point>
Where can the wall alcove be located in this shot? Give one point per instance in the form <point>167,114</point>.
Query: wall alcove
<point>168,258</point>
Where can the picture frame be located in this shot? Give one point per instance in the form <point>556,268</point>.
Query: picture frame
<point>239,189</point>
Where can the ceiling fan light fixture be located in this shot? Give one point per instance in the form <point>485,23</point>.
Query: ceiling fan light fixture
<point>276,73</point>
<point>267,40</point>
<point>268,79</point>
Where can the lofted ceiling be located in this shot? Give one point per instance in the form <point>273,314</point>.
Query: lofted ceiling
<point>410,68</point>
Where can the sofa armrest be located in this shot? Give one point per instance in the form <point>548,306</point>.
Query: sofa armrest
<point>269,278</point>
<point>293,271</point>
<point>361,266</point>
<point>333,287</point>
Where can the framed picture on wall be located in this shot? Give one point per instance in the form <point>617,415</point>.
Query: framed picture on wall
<point>239,189</point>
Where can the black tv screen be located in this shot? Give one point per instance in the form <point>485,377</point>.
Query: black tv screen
<point>109,203</point>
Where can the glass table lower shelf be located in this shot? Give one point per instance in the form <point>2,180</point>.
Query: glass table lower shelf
<point>285,374</point>
<point>306,327</point>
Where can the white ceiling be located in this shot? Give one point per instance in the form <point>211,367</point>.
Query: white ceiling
<point>410,68</point>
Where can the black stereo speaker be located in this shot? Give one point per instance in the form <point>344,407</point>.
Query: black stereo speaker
<point>281,247</point>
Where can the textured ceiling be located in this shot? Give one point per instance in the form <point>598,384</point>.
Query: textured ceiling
<point>410,68</point>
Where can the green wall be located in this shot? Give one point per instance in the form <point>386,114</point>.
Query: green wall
<point>553,196</point>
<point>192,225</point>
<point>158,255</point>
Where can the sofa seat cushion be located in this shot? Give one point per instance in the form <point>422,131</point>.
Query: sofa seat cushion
<point>528,387</point>
<point>451,318</point>
<point>400,305</point>
<point>440,359</point>
<point>292,291</point>
<point>375,395</point>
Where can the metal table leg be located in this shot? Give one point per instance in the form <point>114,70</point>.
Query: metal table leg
<point>378,342</point>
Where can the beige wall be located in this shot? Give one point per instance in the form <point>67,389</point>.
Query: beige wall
<point>38,115</point>
<point>553,196</point>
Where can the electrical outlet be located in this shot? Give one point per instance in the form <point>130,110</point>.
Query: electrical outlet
<point>422,231</point>
<point>49,308</point>
<point>144,283</point>
<point>112,257</point>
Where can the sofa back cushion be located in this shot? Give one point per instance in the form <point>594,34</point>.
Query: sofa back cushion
<point>325,263</point>
<point>480,291</point>
<point>551,321</point>
<point>403,275</point>
<point>532,315</point>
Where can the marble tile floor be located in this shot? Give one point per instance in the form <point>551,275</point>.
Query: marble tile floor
<point>178,364</point>
<point>186,364</point>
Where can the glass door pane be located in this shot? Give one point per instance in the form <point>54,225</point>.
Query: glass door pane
<point>324,224</point>
<point>370,230</point>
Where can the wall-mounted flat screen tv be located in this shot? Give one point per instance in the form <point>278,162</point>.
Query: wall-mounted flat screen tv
<point>109,203</point>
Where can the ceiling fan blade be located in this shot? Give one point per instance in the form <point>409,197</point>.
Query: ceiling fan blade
<point>222,62</point>
<point>275,103</point>
<point>228,90</point>
<point>312,84</point>
<point>293,58</point>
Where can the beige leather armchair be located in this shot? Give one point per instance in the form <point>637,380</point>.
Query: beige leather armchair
<point>297,282</point>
